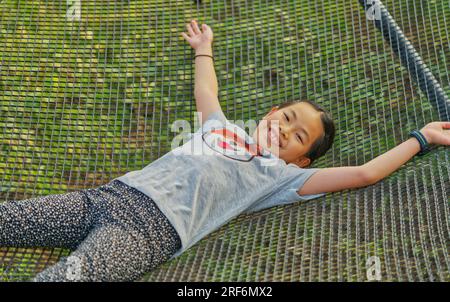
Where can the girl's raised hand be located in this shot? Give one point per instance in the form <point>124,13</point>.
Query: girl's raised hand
<point>196,37</point>
<point>437,133</point>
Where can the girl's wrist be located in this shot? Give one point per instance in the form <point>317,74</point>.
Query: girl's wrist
<point>427,136</point>
<point>423,140</point>
<point>205,49</point>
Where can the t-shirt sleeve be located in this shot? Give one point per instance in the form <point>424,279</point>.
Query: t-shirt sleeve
<point>216,119</point>
<point>291,180</point>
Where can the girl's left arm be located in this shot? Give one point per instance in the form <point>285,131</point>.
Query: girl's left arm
<point>341,178</point>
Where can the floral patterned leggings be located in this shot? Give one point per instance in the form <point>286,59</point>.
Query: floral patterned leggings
<point>117,232</point>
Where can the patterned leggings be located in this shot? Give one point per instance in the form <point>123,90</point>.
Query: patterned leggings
<point>117,232</point>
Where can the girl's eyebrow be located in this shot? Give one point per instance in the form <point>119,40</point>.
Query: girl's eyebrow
<point>303,129</point>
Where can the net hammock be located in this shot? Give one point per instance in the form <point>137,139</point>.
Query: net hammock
<point>89,92</point>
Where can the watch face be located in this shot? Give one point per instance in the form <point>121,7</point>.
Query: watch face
<point>232,145</point>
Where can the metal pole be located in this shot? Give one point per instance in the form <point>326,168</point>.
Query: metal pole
<point>409,57</point>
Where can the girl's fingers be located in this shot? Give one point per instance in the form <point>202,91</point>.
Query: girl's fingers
<point>195,26</point>
<point>193,30</point>
<point>190,30</point>
<point>185,36</point>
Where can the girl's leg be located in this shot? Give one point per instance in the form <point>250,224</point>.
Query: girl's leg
<point>131,237</point>
<point>113,253</point>
<point>57,220</point>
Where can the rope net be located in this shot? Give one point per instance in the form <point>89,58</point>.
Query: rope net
<point>87,98</point>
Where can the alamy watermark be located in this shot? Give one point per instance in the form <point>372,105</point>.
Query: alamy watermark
<point>373,12</point>
<point>73,12</point>
<point>228,138</point>
<point>73,272</point>
<point>373,265</point>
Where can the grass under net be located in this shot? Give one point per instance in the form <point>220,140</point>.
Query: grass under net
<point>83,102</point>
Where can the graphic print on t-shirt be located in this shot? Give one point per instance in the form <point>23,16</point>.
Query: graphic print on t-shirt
<point>232,145</point>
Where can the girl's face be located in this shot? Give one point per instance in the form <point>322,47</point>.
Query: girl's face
<point>290,132</point>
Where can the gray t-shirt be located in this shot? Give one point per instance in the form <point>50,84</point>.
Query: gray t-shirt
<point>215,176</point>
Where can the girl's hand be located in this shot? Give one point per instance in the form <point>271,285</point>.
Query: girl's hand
<point>197,38</point>
<point>437,133</point>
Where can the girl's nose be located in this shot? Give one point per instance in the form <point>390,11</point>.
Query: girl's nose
<point>283,133</point>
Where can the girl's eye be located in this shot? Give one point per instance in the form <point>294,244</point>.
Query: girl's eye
<point>300,138</point>
<point>286,117</point>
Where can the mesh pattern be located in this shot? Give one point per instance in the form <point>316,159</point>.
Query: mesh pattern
<point>85,101</point>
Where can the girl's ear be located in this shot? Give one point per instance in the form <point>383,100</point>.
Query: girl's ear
<point>302,162</point>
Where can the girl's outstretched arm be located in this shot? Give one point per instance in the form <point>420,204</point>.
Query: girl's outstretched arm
<point>341,178</point>
<point>205,86</point>
<point>385,164</point>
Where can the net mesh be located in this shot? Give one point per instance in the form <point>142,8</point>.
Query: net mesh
<point>84,100</point>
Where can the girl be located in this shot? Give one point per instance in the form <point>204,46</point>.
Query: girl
<point>123,229</point>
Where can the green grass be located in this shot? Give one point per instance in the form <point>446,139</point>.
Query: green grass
<point>82,103</point>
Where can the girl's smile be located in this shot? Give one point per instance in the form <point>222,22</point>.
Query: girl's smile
<point>290,132</point>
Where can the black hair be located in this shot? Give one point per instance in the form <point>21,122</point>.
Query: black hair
<point>323,143</point>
